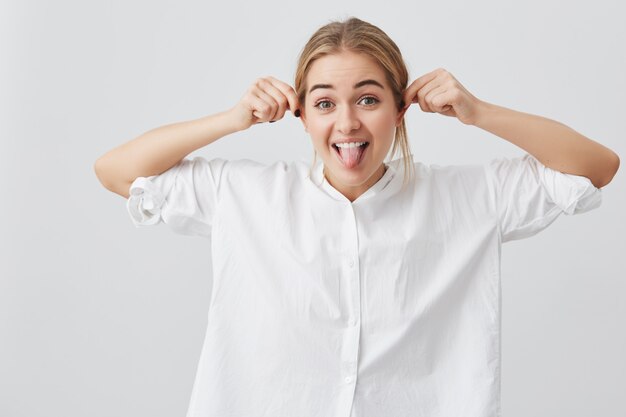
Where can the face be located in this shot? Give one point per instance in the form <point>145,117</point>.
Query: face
<point>339,108</point>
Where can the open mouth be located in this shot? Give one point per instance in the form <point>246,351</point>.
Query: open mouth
<point>351,156</point>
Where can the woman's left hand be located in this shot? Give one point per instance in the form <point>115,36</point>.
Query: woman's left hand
<point>439,92</point>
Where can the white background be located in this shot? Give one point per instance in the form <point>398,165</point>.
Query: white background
<point>100,319</point>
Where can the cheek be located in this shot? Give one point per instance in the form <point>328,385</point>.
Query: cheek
<point>319,127</point>
<point>319,135</point>
<point>381,122</point>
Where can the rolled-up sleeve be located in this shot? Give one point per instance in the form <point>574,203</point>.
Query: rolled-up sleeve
<point>530,196</point>
<point>184,197</point>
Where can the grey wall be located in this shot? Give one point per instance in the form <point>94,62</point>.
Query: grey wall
<point>100,319</point>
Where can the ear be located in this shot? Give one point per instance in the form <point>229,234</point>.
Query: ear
<point>400,116</point>
<point>303,120</point>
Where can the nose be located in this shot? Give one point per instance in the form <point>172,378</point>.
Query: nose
<point>347,120</point>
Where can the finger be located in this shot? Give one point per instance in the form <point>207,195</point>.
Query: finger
<point>289,93</point>
<point>278,97</point>
<point>410,94</point>
<point>442,101</point>
<point>262,109</point>
<point>436,83</point>
<point>270,102</point>
<point>435,92</point>
<point>265,84</point>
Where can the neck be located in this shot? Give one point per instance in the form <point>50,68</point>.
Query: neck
<point>352,193</point>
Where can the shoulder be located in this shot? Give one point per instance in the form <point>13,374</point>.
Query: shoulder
<point>247,168</point>
<point>459,185</point>
<point>247,177</point>
<point>452,173</point>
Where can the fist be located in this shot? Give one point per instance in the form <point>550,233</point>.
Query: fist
<point>266,100</point>
<point>439,92</point>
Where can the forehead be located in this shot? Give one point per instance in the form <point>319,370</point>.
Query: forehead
<point>343,68</point>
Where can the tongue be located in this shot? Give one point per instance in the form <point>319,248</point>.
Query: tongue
<point>351,156</point>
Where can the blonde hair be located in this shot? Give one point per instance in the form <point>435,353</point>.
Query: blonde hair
<point>358,36</point>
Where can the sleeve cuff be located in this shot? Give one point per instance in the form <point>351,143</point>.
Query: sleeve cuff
<point>573,194</point>
<point>144,202</point>
<point>589,196</point>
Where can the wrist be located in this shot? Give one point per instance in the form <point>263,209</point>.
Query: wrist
<point>234,120</point>
<point>483,109</point>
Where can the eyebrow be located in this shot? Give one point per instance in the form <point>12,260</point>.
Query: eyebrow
<point>357,85</point>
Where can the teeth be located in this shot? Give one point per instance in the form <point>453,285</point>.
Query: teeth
<point>350,145</point>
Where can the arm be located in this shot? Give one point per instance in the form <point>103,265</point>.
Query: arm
<point>159,149</point>
<point>554,144</point>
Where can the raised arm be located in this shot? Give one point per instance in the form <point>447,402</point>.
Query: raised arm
<point>554,144</point>
<point>157,150</point>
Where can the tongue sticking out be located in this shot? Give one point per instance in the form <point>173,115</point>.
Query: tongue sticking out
<point>351,156</point>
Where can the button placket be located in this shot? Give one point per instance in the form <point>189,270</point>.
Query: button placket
<point>350,355</point>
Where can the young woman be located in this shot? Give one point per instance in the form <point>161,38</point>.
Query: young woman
<point>357,286</point>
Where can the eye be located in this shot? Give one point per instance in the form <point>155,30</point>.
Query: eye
<point>374,99</point>
<point>319,104</point>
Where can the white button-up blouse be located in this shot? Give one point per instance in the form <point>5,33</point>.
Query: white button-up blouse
<point>385,306</point>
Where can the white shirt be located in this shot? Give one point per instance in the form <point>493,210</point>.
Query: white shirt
<point>386,306</point>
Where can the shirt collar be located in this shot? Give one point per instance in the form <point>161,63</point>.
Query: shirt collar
<point>385,183</point>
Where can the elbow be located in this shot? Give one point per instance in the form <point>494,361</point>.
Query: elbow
<point>98,169</point>
<point>120,188</point>
<point>609,170</point>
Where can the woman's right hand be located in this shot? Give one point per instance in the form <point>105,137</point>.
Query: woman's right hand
<point>265,101</point>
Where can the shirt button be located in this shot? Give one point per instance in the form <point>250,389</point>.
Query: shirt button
<point>348,379</point>
<point>351,263</point>
<point>352,322</point>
